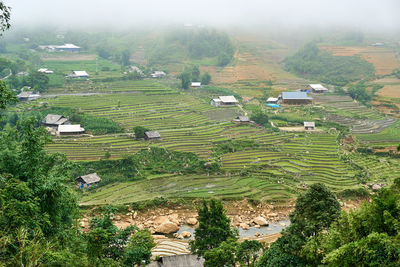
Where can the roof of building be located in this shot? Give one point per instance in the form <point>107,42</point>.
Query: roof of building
<point>272,99</point>
<point>25,94</point>
<point>295,95</point>
<point>73,128</point>
<point>318,87</point>
<point>80,73</point>
<point>67,46</point>
<point>90,178</point>
<point>309,124</point>
<point>135,68</point>
<point>185,260</point>
<point>217,100</point>
<point>54,119</point>
<point>196,84</point>
<point>243,118</point>
<point>152,134</point>
<point>228,99</point>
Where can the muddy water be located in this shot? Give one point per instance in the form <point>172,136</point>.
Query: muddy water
<point>273,228</point>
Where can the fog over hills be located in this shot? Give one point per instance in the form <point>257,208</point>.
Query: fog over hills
<point>368,14</point>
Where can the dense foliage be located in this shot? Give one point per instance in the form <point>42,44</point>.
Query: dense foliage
<point>314,212</point>
<point>214,227</point>
<point>315,64</point>
<point>196,44</point>
<point>140,131</point>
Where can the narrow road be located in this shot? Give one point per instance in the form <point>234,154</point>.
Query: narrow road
<point>9,74</point>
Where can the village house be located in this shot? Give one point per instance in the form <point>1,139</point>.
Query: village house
<point>46,71</point>
<point>196,84</point>
<point>272,100</point>
<point>78,74</point>
<point>134,68</point>
<point>52,120</point>
<point>158,74</point>
<point>28,95</point>
<point>68,48</point>
<point>152,135</point>
<point>224,101</point>
<point>317,88</point>
<point>73,129</point>
<point>87,180</point>
<point>242,119</point>
<point>296,98</point>
<point>309,125</point>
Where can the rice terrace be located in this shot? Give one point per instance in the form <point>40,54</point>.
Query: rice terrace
<point>147,122</point>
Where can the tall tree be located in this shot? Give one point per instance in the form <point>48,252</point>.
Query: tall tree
<point>196,73</point>
<point>214,227</point>
<point>206,78</point>
<point>186,79</point>
<point>125,57</point>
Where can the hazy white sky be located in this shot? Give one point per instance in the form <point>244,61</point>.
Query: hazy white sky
<point>362,13</point>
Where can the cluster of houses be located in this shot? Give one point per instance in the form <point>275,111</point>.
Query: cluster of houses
<point>298,97</point>
<point>64,47</point>
<point>58,124</point>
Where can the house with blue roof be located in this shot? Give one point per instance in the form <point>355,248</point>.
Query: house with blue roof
<point>296,98</point>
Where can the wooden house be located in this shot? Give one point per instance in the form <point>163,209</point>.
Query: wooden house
<point>296,98</point>
<point>52,120</point>
<point>152,135</point>
<point>88,180</point>
<point>309,125</point>
<point>72,129</point>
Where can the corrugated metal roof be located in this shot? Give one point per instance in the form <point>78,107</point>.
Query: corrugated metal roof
<point>74,128</point>
<point>152,134</point>
<point>90,178</point>
<point>318,87</point>
<point>54,119</point>
<point>228,99</point>
<point>272,99</point>
<point>196,84</point>
<point>243,118</point>
<point>80,73</point>
<point>67,46</point>
<point>295,95</point>
<point>309,124</point>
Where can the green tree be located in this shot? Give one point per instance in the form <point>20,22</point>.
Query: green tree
<point>214,227</point>
<point>4,17</point>
<point>224,59</point>
<point>186,79</point>
<point>6,96</point>
<point>248,251</point>
<point>125,57</point>
<point>37,80</point>
<point>206,78</point>
<point>139,131</point>
<point>139,248</point>
<point>196,73</point>
<point>260,117</point>
<point>223,255</point>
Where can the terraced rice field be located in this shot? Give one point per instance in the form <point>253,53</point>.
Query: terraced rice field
<point>142,86</point>
<point>169,111</point>
<point>361,120</point>
<point>378,168</point>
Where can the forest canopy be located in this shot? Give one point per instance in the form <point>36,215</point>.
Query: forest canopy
<point>313,63</point>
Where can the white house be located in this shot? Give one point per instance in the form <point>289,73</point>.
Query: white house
<point>72,129</point>
<point>196,84</point>
<point>317,88</point>
<point>46,71</point>
<point>272,100</point>
<point>158,74</point>
<point>78,74</point>
<point>27,96</point>
<point>229,100</point>
<point>309,125</point>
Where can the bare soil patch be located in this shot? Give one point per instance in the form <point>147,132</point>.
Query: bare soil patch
<point>70,57</point>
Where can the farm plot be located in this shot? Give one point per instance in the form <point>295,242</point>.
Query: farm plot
<point>142,86</point>
<point>191,186</point>
<point>361,120</point>
<point>383,59</point>
<point>378,168</point>
<point>308,158</point>
<point>162,111</point>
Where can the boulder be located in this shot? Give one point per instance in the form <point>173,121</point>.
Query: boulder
<point>244,226</point>
<point>167,228</point>
<point>260,221</point>
<point>160,220</point>
<point>191,221</point>
<point>186,234</point>
<point>376,187</point>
